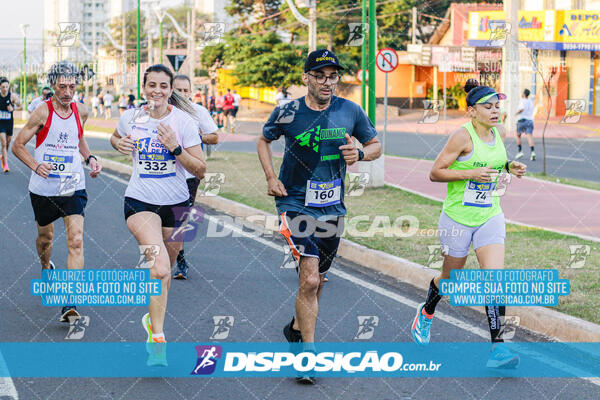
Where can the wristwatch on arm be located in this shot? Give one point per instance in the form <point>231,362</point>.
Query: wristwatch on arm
<point>361,155</point>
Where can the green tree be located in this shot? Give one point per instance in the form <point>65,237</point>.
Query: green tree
<point>115,29</point>
<point>264,60</point>
<point>255,15</point>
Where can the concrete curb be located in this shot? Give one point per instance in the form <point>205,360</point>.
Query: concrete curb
<point>545,321</point>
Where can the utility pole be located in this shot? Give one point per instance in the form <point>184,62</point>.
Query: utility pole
<point>124,51</point>
<point>148,28</point>
<point>312,26</point>
<point>363,57</point>
<point>375,168</point>
<point>372,53</point>
<point>311,21</point>
<point>95,51</point>
<point>24,28</point>
<point>413,67</point>
<point>510,65</point>
<point>138,49</point>
<point>192,46</point>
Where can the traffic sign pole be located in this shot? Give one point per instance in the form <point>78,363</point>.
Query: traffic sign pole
<point>385,104</point>
<point>387,61</point>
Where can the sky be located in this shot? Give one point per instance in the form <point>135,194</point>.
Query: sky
<point>16,12</point>
<point>11,39</point>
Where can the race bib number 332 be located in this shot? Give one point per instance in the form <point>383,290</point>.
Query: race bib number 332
<point>156,165</point>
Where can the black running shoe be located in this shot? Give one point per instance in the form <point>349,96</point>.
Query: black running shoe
<point>68,311</point>
<point>292,335</point>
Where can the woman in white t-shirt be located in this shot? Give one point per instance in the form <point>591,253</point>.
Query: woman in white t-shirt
<point>164,142</point>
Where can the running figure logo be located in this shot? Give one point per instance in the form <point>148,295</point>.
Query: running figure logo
<point>436,252</point>
<point>579,254</point>
<point>148,253</point>
<point>357,33</point>
<point>356,183</point>
<point>574,109</point>
<point>187,221</point>
<point>366,326</point>
<point>431,111</point>
<point>63,137</point>
<point>223,324</point>
<point>288,112</point>
<point>289,261</point>
<point>212,183</point>
<point>77,326</point>
<point>510,326</point>
<point>213,32</point>
<point>207,359</point>
<point>68,34</point>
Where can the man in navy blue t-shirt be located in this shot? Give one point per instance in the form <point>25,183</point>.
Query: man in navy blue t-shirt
<point>309,194</point>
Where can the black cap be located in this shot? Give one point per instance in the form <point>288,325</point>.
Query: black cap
<point>321,58</point>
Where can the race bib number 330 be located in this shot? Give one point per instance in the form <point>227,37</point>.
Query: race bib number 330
<point>322,194</point>
<point>61,164</point>
<point>478,194</point>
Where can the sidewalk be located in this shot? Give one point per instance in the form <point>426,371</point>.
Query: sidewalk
<point>547,205</point>
<point>587,126</point>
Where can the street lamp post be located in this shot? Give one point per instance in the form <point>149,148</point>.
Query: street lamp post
<point>138,49</point>
<point>160,15</point>
<point>24,28</point>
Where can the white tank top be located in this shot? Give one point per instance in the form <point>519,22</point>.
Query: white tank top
<point>58,144</point>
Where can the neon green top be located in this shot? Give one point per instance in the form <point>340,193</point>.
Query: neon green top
<point>473,203</point>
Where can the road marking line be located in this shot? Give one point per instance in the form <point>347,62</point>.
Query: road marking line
<point>7,386</point>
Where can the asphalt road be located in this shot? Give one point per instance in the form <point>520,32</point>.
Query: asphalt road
<point>235,276</point>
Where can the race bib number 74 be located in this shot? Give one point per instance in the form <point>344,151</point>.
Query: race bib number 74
<point>478,194</point>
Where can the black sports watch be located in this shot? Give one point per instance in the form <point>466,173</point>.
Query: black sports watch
<point>177,151</point>
<point>361,155</point>
<point>87,160</point>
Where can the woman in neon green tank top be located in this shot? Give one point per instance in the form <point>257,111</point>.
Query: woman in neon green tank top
<point>470,163</point>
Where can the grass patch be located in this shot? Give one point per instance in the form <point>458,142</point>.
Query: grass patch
<point>567,181</point>
<point>525,247</point>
